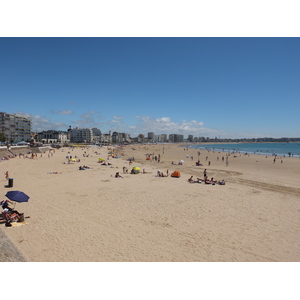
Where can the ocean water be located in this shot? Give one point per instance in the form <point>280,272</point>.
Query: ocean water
<point>280,149</point>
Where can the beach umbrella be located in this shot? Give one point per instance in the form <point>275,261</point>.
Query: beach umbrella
<point>136,170</point>
<point>17,196</point>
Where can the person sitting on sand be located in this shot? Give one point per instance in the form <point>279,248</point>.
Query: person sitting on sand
<point>221,182</point>
<point>5,206</point>
<point>10,216</point>
<point>191,179</point>
<point>212,180</point>
<point>118,175</point>
<point>207,181</point>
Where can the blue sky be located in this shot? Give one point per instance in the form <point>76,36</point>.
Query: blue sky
<point>227,87</point>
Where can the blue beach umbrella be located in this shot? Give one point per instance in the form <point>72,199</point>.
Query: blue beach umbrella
<point>17,196</point>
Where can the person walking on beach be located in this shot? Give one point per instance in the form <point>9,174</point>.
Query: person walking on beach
<point>6,175</point>
<point>204,173</point>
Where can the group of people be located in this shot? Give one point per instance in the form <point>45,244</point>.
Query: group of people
<point>161,174</point>
<point>206,181</point>
<point>84,167</point>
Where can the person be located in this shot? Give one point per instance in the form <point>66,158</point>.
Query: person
<point>118,175</point>
<point>205,174</point>
<point>191,179</point>
<point>6,175</point>
<point>207,181</point>
<point>5,204</point>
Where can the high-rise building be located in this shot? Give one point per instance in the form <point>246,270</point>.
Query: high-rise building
<point>118,137</point>
<point>161,138</point>
<point>16,128</point>
<point>190,138</point>
<point>176,138</point>
<point>151,136</point>
<point>81,135</point>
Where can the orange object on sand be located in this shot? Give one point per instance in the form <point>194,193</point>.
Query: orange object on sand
<point>175,174</point>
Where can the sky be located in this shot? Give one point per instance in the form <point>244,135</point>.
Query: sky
<point>205,86</point>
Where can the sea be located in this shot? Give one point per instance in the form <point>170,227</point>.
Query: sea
<point>269,149</point>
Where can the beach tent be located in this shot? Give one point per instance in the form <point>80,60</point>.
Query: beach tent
<point>175,174</point>
<point>136,170</point>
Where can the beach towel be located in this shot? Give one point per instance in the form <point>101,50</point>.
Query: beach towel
<point>17,224</point>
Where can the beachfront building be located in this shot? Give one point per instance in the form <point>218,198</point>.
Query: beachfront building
<point>81,135</point>
<point>16,128</point>
<point>120,138</point>
<point>52,137</point>
<point>190,138</point>
<point>151,137</point>
<point>106,138</point>
<point>97,135</point>
<point>161,138</point>
<point>176,138</point>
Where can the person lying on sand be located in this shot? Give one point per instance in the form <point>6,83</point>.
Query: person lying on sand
<point>212,181</point>
<point>191,180</point>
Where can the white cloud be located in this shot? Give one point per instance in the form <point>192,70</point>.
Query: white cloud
<point>167,126</point>
<point>117,118</point>
<point>91,119</point>
<point>40,123</point>
<point>65,112</point>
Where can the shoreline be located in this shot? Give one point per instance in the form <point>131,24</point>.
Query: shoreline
<point>233,150</point>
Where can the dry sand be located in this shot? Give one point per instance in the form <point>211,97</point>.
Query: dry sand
<point>91,216</point>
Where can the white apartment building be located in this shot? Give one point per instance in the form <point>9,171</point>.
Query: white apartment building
<point>161,138</point>
<point>176,138</point>
<point>81,135</point>
<point>15,127</point>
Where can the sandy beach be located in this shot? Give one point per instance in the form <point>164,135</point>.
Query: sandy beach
<point>91,216</point>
